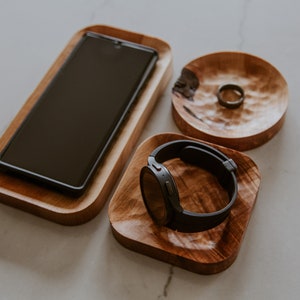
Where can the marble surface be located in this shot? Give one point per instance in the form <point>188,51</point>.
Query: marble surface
<point>43,260</point>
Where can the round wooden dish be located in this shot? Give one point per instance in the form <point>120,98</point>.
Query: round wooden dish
<point>197,112</point>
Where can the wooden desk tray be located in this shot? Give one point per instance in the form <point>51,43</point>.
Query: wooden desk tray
<point>66,210</point>
<point>255,122</point>
<point>206,252</point>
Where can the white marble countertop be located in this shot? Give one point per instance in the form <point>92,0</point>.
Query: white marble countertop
<point>42,260</point>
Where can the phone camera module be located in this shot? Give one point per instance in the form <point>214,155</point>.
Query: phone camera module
<point>117,44</point>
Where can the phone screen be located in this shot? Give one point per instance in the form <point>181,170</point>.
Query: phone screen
<point>72,124</point>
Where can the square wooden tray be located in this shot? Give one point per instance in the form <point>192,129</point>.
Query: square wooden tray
<point>205,252</point>
<point>57,207</point>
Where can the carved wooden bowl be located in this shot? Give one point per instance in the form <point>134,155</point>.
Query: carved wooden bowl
<point>198,113</point>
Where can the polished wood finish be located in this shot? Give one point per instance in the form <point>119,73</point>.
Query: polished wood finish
<point>206,252</point>
<point>57,207</point>
<point>255,122</point>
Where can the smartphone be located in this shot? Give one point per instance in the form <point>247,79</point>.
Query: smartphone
<point>71,126</point>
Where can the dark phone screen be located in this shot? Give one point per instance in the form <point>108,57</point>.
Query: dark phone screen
<point>71,125</point>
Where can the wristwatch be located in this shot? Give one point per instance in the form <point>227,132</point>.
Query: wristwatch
<point>160,194</point>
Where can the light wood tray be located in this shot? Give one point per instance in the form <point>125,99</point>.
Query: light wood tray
<point>255,122</point>
<point>62,209</point>
<point>206,252</point>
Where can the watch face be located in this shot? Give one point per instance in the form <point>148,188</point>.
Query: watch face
<point>153,196</point>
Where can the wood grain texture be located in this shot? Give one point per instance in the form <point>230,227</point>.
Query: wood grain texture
<point>206,252</point>
<point>57,207</point>
<point>255,122</point>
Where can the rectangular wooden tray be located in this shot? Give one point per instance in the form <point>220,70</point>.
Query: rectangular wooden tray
<point>63,209</point>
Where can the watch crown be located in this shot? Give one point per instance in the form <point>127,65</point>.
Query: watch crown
<point>230,165</point>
